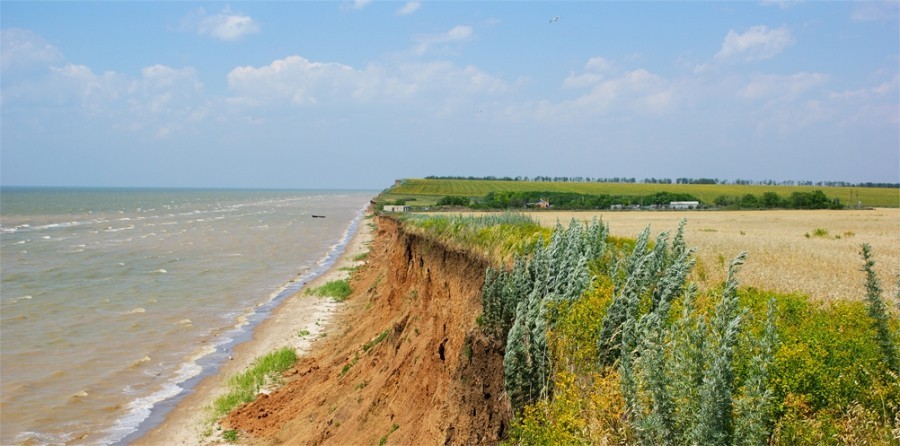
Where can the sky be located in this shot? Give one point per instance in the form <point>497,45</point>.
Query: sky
<point>355,94</point>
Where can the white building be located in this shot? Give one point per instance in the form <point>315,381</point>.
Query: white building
<point>395,208</point>
<point>684,205</point>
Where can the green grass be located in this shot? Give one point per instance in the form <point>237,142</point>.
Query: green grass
<point>376,340</point>
<point>230,436</point>
<point>426,192</point>
<point>338,290</point>
<point>497,236</point>
<point>243,387</point>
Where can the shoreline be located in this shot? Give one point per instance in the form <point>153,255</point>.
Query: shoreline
<point>186,422</point>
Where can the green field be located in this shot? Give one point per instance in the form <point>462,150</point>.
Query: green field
<point>425,192</point>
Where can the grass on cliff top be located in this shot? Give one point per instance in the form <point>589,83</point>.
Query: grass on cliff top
<point>495,236</point>
<point>426,192</point>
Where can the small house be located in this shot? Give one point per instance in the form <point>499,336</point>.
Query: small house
<point>395,208</point>
<point>684,205</point>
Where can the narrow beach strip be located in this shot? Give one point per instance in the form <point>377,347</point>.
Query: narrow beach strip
<point>298,321</point>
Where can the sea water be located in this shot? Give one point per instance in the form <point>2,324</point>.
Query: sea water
<point>113,301</point>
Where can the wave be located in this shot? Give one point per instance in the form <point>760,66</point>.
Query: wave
<point>139,409</point>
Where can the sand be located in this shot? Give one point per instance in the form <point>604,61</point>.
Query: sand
<point>187,423</point>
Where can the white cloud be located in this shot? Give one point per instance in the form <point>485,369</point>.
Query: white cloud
<point>594,68</point>
<point>638,90</point>
<point>409,8</point>
<point>783,4</point>
<point>226,25</point>
<point>871,105</point>
<point>881,90</point>
<point>757,43</point>
<point>876,11</point>
<point>296,81</point>
<point>782,87</point>
<point>293,78</point>
<point>459,33</point>
<point>356,5</point>
<point>21,48</point>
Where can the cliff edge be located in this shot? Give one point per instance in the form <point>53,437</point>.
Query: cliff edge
<point>407,364</point>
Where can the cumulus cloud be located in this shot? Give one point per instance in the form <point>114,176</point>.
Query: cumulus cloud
<point>297,81</point>
<point>226,25</point>
<point>23,49</point>
<point>637,90</point>
<point>594,70</point>
<point>757,43</point>
<point>409,8</point>
<point>293,78</point>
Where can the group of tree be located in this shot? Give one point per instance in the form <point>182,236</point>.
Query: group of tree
<point>574,201</point>
<point>683,180</point>
<point>771,200</point>
<point>571,200</point>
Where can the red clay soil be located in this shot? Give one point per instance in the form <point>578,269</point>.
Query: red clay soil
<point>433,379</point>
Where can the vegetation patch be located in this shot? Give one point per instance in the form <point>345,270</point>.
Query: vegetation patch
<point>501,235</point>
<point>244,387</point>
<point>338,290</point>
<point>608,342</point>
<point>376,340</point>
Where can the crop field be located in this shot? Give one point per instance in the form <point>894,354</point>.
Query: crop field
<point>811,252</point>
<point>426,192</point>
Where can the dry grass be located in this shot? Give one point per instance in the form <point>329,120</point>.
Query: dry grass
<point>781,256</point>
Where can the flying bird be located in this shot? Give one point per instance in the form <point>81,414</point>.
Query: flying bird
<point>555,19</point>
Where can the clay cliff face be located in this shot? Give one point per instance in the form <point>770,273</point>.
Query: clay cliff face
<point>406,362</point>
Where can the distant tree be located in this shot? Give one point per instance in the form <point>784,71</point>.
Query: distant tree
<point>453,201</point>
<point>771,200</point>
<point>749,201</point>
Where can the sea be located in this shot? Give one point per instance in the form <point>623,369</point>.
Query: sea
<point>114,303</point>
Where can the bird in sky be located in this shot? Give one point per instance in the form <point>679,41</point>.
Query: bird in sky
<point>555,19</point>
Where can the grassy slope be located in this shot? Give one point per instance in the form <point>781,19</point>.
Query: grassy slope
<point>426,191</point>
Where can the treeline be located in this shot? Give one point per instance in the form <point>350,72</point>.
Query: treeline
<point>771,200</point>
<point>571,200</point>
<point>633,180</point>
<point>574,201</point>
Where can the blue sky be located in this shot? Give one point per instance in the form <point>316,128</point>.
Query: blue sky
<point>352,95</point>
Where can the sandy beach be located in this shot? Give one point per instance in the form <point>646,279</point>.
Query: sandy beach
<point>187,423</point>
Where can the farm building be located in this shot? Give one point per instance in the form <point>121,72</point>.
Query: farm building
<point>395,208</point>
<point>684,205</point>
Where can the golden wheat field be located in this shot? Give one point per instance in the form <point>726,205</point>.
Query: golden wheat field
<point>810,252</point>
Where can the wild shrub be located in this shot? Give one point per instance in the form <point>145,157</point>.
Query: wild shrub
<point>878,311</point>
<point>678,377</point>
<point>516,303</point>
<point>558,272</point>
<point>640,356</point>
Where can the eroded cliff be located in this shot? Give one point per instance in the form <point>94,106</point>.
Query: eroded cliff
<point>406,365</point>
